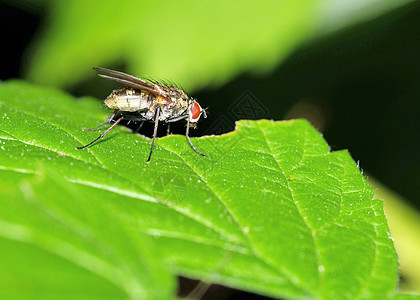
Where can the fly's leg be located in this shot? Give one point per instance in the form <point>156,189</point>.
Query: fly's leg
<point>102,125</point>
<point>199,290</point>
<point>102,135</point>
<point>96,128</point>
<point>138,128</point>
<point>154,132</point>
<point>168,130</point>
<point>189,140</point>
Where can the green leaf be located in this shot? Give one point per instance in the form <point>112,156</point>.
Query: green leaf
<point>56,245</point>
<point>195,43</point>
<point>270,210</point>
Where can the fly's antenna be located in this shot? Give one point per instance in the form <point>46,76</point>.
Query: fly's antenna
<point>205,111</point>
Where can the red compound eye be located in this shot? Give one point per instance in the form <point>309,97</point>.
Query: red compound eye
<point>196,111</point>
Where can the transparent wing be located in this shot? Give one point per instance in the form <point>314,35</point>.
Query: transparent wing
<point>128,80</point>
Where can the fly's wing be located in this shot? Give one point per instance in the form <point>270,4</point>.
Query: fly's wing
<point>129,80</point>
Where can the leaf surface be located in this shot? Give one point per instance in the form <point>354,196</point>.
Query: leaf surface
<point>270,209</point>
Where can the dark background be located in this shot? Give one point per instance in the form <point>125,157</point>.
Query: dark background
<point>360,87</point>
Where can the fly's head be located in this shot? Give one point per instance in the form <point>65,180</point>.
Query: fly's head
<point>194,113</point>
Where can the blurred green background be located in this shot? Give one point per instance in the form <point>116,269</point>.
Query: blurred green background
<point>351,67</point>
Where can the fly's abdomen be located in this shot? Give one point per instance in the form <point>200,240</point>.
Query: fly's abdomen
<point>131,100</point>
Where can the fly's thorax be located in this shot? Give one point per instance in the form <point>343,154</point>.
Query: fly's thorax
<point>176,106</point>
<point>174,93</point>
<point>130,100</point>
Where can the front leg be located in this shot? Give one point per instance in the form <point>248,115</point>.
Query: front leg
<point>102,125</point>
<point>102,135</point>
<point>175,119</point>
<point>189,140</point>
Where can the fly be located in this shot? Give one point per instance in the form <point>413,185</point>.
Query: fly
<point>141,100</point>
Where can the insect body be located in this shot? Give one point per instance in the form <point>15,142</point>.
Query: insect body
<point>141,100</point>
